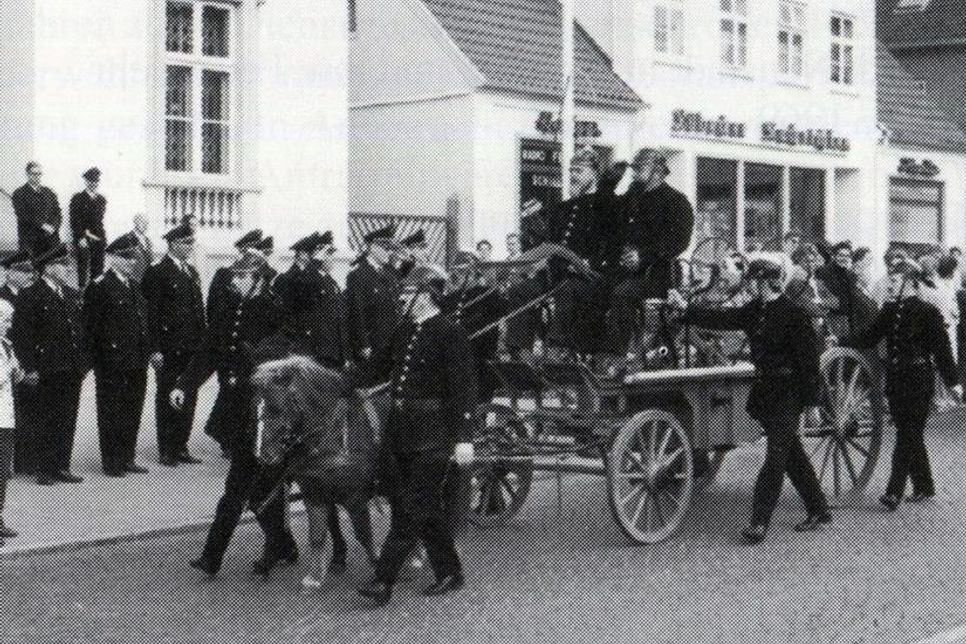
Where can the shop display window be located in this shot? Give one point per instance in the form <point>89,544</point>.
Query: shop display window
<point>915,212</point>
<point>716,210</point>
<point>806,202</point>
<point>763,207</point>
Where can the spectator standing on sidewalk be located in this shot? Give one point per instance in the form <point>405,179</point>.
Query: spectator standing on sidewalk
<point>37,211</point>
<point>86,210</point>
<point>16,274</point>
<point>10,374</point>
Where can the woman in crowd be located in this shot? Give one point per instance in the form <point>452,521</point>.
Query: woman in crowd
<point>10,373</point>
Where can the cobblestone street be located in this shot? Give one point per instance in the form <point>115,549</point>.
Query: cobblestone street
<point>549,577</point>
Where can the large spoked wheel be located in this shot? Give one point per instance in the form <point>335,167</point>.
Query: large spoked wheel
<point>843,442</point>
<point>499,486</point>
<point>650,476</point>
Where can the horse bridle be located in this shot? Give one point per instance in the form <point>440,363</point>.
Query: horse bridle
<point>292,442</point>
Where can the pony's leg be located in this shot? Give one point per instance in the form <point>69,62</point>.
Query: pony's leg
<point>339,547</point>
<point>362,527</point>
<point>317,537</point>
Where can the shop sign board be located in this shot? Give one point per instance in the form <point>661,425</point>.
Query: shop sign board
<point>540,170</point>
<point>693,122</point>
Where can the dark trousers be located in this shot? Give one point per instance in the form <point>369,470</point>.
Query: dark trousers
<point>622,324</point>
<point>418,514</point>
<point>120,400</point>
<point>909,459</point>
<point>7,443</point>
<point>90,262</point>
<point>247,485</point>
<point>174,425</point>
<point>785,455</point>
<point>57,396</point>
<point>24,411</point>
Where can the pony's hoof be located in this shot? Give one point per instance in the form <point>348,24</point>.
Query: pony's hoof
<point>311,584</point>
<point>337,567</point>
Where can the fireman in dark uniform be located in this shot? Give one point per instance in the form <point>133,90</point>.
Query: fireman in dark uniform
<point>176,320</point>
<point>250,314</point>
<point>430,369</point>
<point>917,345</point>
<point>371,296</point>
<point>656,226</point>
<point>48,340</point>
<point>412,253</point>
<point>86,214</point>
<point>38,213</point>
<point>285,284</point>
<point>116,331</point>
<point>19,275</point>
<point>785,352</point>
<point>266,248</point>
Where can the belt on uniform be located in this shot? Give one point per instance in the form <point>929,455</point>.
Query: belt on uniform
<point>417,404</point>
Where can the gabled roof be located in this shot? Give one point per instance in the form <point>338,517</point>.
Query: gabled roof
<point>517,46</point>
<point>938,22</point>
<point>912,115</point>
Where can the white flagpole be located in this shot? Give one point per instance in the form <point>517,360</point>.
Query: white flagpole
<point>567,113</point>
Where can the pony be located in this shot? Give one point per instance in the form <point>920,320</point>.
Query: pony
<point>325,440</point>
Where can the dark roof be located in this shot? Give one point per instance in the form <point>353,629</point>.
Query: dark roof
<point>910,112</point>
<point>516,46</point>
<point>939,22</point>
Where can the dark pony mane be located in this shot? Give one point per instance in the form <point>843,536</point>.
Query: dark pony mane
<point>311,390</point>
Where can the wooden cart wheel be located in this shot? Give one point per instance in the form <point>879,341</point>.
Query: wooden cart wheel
<point>498,489</point>
<point>650,476</point>
<point>843,442</point>
<point>715,459</point>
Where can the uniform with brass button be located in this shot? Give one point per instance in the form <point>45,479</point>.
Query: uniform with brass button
<point>48,339</point>
<point>371,292</point>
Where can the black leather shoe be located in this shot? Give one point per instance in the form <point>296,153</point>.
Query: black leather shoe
<point>7,533</point>
<point>918,497</point>
<point>379,592</point>
<point>186,457</point>
<point>754,534</point>
<point>891,501</point>
<point>46,479</point>
<point>114,473</point>
<point>448,584</point>
<point>134,468</point>
<point>337,567</point>
<point>205,565</point>
<point>168,461</point>
<point>66,476</point>
<point>270,558</point>
<point>813,521</point>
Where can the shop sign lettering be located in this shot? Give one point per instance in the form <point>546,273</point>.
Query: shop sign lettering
<point>685,122</point>
<point>548,124</point>
<point>791,135</point>
<point>926,168</point>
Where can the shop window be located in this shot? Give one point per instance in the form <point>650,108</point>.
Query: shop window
<point>716,210</point>
<point>806,202</point>
<point>199,86</point>
<point>669,29</point>
<point>915,212</point>
<point>843,50</point>
<point>763,207</point>
<point>733,28</point>
<point>791,39</point>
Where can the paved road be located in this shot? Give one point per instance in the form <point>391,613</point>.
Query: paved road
<point>872,577</point>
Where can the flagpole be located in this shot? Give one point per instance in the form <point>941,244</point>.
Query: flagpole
<point>567,113</point>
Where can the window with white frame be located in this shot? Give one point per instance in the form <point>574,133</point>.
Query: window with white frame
<point>669,29</point>
<point>199,62</point>
<point>791,39</point>
<point>733,29</point>
<point>842,70</point>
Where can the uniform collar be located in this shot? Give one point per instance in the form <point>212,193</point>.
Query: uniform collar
<point>54,286</point>
<point>120,278</point>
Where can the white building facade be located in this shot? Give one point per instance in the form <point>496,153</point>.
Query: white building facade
<point>234,111</point>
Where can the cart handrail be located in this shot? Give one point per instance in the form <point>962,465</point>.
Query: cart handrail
<point>663,376</point>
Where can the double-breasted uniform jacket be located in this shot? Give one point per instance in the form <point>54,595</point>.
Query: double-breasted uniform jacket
<point>175,306</point>
<point>116,323</point>
<point>47,330</point>
<point>784,350</point>
<point>34,209</point>
<point>371,303</point>
<point>86,215</point>
<point>916,342</point>
<point>429,366</point>
<point>239,323</point>
<point>6,293</point>
<point>218,291</point>
<point>315,312</point>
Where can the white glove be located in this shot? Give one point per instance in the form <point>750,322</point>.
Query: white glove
<point>958,393</point>
<point>177,399</point>
<point>463,455</point>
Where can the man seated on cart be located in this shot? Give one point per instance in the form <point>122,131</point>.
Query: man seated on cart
<point>785,352</point>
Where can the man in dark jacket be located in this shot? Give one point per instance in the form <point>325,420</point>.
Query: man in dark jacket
<point>430,369</point>
<point>784,350</point>
<point>916,346</point>
<point>371,294</point>
<point>854,307</point>
<point>48,340</point>
<point>116,330</point>
<point>250,314</point>
<point>176,320</point>
<point>86,215</point>
<point>656,227</point>
<point>37,211</point>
